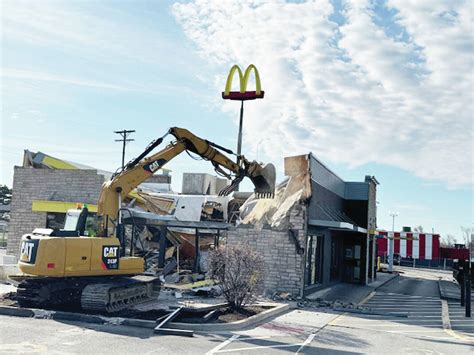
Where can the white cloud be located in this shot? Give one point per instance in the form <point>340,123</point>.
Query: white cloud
<point>36,76</point>
<point>351,93</point>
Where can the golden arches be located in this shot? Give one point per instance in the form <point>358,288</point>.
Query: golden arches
<point>243,79</point>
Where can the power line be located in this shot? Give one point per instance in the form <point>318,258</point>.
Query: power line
<point>124,134</point>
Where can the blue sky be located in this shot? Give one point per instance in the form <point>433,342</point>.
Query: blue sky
<point>373,88</point>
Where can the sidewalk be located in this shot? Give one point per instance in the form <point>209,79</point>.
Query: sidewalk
<point>350,293</point>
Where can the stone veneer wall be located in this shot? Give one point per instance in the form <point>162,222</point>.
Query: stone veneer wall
<point>46,184</point>
<point>284,267</point>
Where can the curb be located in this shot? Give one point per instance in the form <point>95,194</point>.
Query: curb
<point>140,323</point>
<point>238,325</point>
<point>386,281</point>
<point>372,292</point>
<point>16,312</point>
<point>445,314</point>
<point>58,315</point>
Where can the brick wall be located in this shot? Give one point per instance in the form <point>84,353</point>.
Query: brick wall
<point>284,267</point>
<point>46,184</point>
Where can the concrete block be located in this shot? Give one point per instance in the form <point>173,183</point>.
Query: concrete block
<point>8,259</point>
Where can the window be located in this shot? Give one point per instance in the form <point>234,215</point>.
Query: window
<point>55,220</point>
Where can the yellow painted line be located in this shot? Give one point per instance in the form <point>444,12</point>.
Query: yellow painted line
<point>335,320</point>
<point>447,323</point>
<point>459,336</point>
<point>58,206</point>
<point>369,296</point>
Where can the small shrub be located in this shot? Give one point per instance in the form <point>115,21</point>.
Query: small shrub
<point>238,271</point>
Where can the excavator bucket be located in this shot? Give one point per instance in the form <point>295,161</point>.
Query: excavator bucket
<point>263,178</point>
<point>264,181</point>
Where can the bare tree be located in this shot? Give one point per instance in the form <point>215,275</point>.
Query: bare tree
<point>448,241</point>
<point>418,229</point>
<point>466,235</point>
<point>238,271</point>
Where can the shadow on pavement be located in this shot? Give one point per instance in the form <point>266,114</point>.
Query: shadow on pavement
<point>133,332</point>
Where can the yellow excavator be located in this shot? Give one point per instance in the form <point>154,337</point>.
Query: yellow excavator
<point>72,269</point>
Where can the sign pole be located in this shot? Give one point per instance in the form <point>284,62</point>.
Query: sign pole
<point>242,95</point>
<point>239,139</point>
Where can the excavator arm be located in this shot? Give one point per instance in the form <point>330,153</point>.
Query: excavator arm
<point>142,167</point>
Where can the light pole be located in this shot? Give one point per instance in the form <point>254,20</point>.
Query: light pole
<point>391,242</point>
<point>393,215</point>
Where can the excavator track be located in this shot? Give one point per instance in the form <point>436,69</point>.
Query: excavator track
<point>119,295</point>
<point>47,292</point>
<point>105,295</point>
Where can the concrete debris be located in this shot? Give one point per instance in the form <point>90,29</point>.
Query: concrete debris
<point>275,212</point>
<point>206,291</point>
<point>283,296</point>
<point>320,303</point>
<point>172,278</point>
<point>187,207</point>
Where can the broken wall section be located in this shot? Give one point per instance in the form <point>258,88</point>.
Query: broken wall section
<point>277,228</point>
<point>282,250</point>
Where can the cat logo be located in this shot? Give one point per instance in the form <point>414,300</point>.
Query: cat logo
<point>110,252</point>
<point>154,165</point>
<point>110,257</point>
<point>28,251</point>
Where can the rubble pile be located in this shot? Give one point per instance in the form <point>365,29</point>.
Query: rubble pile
<point>335,305</point>
<point>318,303</point>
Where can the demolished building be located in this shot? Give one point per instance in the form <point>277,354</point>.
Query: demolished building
<point>318,230</point>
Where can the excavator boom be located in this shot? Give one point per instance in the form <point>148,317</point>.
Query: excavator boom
<point>138,170</point>
<point>94,272</point>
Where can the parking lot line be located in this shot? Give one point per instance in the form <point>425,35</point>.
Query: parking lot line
<point>308,340</point>
<point>259,347</point>
<point>223,344</point>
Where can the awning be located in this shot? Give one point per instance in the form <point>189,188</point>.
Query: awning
<point>336,225</point>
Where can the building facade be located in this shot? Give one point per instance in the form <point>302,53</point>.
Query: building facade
<point>41,197</point>
<point>329,237</point>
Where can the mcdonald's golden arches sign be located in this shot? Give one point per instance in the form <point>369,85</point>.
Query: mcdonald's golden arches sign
<point>243,94</point>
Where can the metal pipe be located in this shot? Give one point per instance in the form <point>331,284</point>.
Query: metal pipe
<point>468,295</point>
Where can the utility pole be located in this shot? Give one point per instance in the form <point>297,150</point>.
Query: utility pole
<point>124,134</point>
<point>391,242</point>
